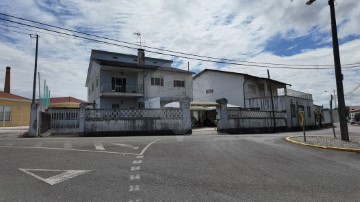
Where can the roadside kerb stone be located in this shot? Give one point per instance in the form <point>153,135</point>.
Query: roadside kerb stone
<point>328,143</point>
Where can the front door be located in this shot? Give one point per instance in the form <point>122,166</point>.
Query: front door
<point>118,84</point>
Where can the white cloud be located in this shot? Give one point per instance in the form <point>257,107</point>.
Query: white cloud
<point>199,27</point>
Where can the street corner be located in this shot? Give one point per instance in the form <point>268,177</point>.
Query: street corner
<point>327,142</point>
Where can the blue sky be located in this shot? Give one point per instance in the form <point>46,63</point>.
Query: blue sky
<point>286,32</point>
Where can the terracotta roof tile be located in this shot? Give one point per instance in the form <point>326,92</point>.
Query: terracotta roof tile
<point>55,100</point>
<point>12,96</point>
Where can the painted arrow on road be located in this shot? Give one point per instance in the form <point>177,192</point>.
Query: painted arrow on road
<point>65,175</point>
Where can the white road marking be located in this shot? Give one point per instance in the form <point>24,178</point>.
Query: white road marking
<point>147,146</point>
<point>126,145</point>
<point>9,144</point>
<point>99,146</point>
<point>134,188</point>
<point>135,168</point>
<point>137,161</point>
<point>67,174</point>
<point>139,157</point>
<point>64,149</point>
<point>68,145</point>
<point>134,177</point>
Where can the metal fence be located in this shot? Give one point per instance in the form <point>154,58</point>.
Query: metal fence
<point>64,118</point>
<point>124,88</point>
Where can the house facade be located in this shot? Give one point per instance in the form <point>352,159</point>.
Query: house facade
<point>14,109</point>
<point>253,93</point>
<point>122,81</point>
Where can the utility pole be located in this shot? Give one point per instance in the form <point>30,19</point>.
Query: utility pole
<point>35,68</point>
<point>331,115</point>
<point>272,100</point>
<point>339,75</point>
<point>334,98</point>
<point>33,113</point>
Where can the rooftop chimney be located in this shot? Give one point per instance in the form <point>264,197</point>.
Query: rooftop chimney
<point>7,80</point>
<point>141,57</point>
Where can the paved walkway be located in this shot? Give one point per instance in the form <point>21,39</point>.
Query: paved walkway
<point>12,132</point>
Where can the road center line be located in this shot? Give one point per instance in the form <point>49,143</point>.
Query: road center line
<point>134,177</point>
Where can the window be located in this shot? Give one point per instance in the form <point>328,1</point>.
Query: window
<point>178,83</point>
<point>118,84</point>
<point>251,88</point>
<point>209,91</point>
<point>5,113</point>
<point>157,81</point>
<point>115,106</point>
<point>308,112</point>
<point>293,112</point>
<point>97,81</point>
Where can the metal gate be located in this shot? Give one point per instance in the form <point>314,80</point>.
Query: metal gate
<point>64,120</point>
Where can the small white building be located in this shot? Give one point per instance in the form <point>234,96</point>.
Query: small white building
<point>122,81</point>
<point>253,93</point>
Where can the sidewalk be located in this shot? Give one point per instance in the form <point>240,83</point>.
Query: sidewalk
<point>12,132</point>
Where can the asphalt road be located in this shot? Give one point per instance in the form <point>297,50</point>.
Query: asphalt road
<point>200,167</point>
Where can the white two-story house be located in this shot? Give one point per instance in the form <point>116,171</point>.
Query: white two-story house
<point>122,81</point>
<point>253,93</point>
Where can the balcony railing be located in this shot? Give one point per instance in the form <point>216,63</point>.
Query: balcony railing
<point>124,88</point>
<point>298,94</point>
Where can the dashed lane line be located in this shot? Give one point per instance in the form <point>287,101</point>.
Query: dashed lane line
<point>135,168</point>
<point>137,161</point>
<point>134,188</point>
<point>134,177</point>
<point>99,146</point>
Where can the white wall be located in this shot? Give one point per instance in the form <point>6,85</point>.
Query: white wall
<point>168,91</point>
<point>224,85</point>
<point>95,71</point>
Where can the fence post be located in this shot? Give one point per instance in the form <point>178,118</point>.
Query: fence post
<point>186,116</point>
<point>82,118</point>
<point>223,121</point>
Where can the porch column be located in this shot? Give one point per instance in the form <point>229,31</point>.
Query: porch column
<point>223,121</point>
<point>186,115</point>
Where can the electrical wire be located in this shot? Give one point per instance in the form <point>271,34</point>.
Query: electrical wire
<point>171,51</point>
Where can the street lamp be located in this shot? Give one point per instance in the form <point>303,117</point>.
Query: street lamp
<point>338,74</point>
<point>334,97</point>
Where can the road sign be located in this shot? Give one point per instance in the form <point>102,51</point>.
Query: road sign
<point>302,118</point>
<point>63,176</point>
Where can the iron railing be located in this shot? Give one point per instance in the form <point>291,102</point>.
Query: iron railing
<point>124,88</point>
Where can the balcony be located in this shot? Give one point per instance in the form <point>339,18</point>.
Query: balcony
<point>124,90</point>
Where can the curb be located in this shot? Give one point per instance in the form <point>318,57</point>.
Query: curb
<point>319,146</point>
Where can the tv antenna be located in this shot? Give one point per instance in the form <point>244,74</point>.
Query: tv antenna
<point>138,34</point>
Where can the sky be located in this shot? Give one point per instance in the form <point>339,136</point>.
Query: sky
<point>287,32</point>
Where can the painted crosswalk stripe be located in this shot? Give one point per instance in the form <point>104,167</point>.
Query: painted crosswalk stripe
<point>99,146</point>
